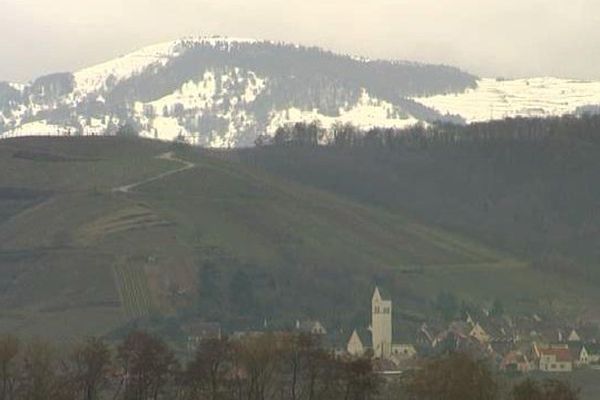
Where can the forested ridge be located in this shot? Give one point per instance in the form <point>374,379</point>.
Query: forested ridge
<point>528,186</point>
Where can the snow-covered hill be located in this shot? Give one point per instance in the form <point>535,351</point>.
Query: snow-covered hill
<point>222,92</point>
<point>499,99</point>
<point>225,92</point>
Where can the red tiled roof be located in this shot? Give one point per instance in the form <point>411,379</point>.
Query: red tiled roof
<point>562,354</point>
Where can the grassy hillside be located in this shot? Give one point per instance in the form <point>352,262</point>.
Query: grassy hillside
<point>222,241</point>
<point>525,186</point>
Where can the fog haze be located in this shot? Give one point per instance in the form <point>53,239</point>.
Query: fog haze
<point>487,37</point>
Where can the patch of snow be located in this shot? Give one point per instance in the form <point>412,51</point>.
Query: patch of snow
<point>95,78</point>
<point>192,94</point>
<point>217,40</point>
<point>166,128</point>
<point>40,128</point>
<point>17,86</point>
<point>366,114</point>
<point>499,99</point>
<point>223,141</point>
<point>92,126</point>
<point>254,88</point>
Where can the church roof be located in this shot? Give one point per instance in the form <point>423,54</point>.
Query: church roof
<point>365,336</point>
<point>382,293</point>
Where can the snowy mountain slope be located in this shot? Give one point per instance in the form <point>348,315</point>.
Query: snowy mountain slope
<point>99,77</point>
<point>224,92</point>
<point>498,99</point>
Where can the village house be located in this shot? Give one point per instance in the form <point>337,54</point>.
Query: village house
<point>555,359</point>
<point>479,333</point>
<point>573,337</point>
<point>403,351</point>
<point>424,337</point>
<point>593,350</point>
<point>515,361</point>
<point>579,354</point>
<point>311,326</point>
<point>515,345</point>
<point>199,331</point>
<point>355,346</point>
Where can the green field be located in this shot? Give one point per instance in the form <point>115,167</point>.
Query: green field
<point>221,241</point>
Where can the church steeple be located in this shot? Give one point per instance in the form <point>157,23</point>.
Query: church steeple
<point>381,325</point>
<point>376,295</point>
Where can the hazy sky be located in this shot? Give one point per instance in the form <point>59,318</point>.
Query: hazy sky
<point>486,37</point>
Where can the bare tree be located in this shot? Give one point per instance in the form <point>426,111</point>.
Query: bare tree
<point>149,366</point>
<point>258,362</point>
<point>550,389</point>
<point>207,375</point>
<point>453,377</point>
<point>90,364</point>
<point>9,350</point>
<point>41,377</point>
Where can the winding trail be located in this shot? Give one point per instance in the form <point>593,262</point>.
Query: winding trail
<point>170,156</point>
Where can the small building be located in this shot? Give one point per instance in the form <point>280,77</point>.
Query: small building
<point>579,354</point>
<point>199,331</point>
<point>515,361</point>
<point>355,346</point>
<point>556,359</point>
<point>593,350</point>
<point>573,337</point>
<point>424,337</point>
<point>311,326</point>
<point>480,334</point>
<point>403,351</point>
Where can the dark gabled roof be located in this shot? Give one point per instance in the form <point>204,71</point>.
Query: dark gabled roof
<point>338,338</point>
<point>365,336</point>
<point>502,347</point>
<point>309,325</point>
<point>514,357</point>
<point>460,327</point>
<point>575,349</point>
<point>593,348</point>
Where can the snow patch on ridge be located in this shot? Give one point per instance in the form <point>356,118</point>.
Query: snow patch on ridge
<point>166,128</point>
<point>39,128</point>
<point>366,114</point>
<point>17,86</point>
<point>192,94</point>
<point>498,99</point>
<point>96,78</point>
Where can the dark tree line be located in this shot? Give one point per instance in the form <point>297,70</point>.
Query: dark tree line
<point>509,133</point>
<point>268,366</point>
<point>144,367</point>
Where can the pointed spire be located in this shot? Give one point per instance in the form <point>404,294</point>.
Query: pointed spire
<point>376,294</point>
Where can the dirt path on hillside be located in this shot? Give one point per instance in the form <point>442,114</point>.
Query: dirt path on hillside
<point>166,156</point>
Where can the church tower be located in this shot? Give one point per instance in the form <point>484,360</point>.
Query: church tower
<point>381,325</point>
